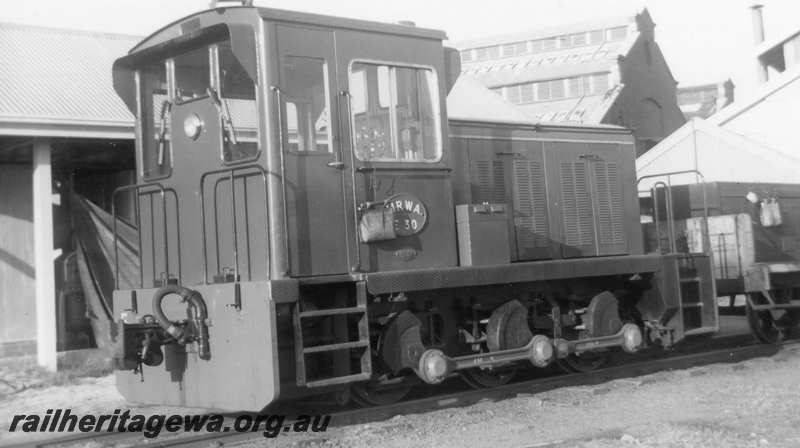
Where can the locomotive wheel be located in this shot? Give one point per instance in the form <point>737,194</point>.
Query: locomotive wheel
<point>585,362</point>
<point>764,326</point>
<point>486,378</point>
<point>366,394</point>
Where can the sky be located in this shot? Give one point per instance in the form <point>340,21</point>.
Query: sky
<point>703,40</point>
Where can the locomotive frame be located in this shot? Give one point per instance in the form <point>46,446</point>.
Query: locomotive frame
<point>303,192</point>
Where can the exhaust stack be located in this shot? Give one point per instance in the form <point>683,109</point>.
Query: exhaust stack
<point>758,22</point>
<point>757,16</point>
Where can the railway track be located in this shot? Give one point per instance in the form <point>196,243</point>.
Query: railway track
<point>722,350</point>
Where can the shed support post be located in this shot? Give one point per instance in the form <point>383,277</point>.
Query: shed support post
<point>43,256</point>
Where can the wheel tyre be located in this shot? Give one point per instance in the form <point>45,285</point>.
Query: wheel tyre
<point>365,395</point>
<point>483,379</point>
<point>761,323</point>
<point>586,362</point>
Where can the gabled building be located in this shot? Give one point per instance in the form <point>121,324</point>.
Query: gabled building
<point>704,100</point>
<point>769,115</point>
<point>754,139</point>
<point>605,72</point>
<point>62,129</point>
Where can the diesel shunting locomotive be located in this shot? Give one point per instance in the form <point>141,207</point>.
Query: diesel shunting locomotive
<point>310,221</point>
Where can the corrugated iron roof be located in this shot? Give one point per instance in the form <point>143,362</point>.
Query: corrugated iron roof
<point>60,76</point>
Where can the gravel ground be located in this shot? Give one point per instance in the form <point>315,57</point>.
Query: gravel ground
<point>754,403</point>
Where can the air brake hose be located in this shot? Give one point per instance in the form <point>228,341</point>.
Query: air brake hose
<point>199,315</point>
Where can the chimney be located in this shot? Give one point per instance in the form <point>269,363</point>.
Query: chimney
<point>758,36</point>
<point>758,23</point>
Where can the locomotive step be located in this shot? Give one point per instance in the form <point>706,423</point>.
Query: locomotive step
<point>700,330</point>
<point>333,347</point>
<point>339,380</point>
<point>333,312</point>
<point>690,280</point>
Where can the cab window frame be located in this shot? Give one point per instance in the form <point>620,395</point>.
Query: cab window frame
<point>436,105</point>
<point>332,131</point>
<point>215,81</point>
<point>146,125</point>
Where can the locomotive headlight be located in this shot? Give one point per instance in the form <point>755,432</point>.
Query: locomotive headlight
<point>192,126</point>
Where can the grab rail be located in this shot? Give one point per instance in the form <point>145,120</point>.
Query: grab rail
<point>669,207</point>
<point>231,177</point>
<point>158,188</point>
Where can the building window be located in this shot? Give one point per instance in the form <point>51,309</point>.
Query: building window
<point>574,87</point>
<point>526,94</point>
<point>494,52</point>
<point>596,37</point>
<point>618,33</point>
<point>481,54</point>
<point>600,83</point>
<point>521,48</point>
<point>578,39</point>
<point>408,130</point>
<point>512,94</point>
<point>548,44</point>
<point>542,91</point>
<point>536,46</point>
<point>509,50</point>
<point>564,41</point>
<point>466,56</point>
<point>557,89</point>
<point>586,81</point>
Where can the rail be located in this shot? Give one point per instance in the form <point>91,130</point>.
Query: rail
<point>728,350</point>
<point>157,189</point>
<point>232,176</point>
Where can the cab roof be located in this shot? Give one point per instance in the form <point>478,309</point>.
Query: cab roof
<point>245,14</point>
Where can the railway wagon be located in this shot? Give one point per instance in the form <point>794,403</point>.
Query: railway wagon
<point>310,222</point>
<point>752,231</point>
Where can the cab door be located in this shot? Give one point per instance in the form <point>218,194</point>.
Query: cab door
<point>313,167</point>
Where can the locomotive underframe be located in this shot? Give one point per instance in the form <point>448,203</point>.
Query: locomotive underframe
<point>252,325</point>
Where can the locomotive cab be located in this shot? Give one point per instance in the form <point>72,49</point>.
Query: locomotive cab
<point>332,115</point>
<point>273,148</point>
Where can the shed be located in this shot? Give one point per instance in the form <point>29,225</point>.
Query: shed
<point>720,155</point>
<point>61,126</point>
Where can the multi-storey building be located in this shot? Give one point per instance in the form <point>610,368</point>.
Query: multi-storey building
<point>604,72</point>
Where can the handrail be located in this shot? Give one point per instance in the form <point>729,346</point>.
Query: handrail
<point>232,176</point>
<point>162,191</point>
<point>668,198</point>
<point>279,97</point>
<point>351,139</point>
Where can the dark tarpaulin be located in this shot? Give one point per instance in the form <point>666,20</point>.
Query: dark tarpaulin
<point>94,236</point>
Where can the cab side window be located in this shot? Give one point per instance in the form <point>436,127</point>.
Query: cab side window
<point>395,113</point>
<point>307,108</point>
